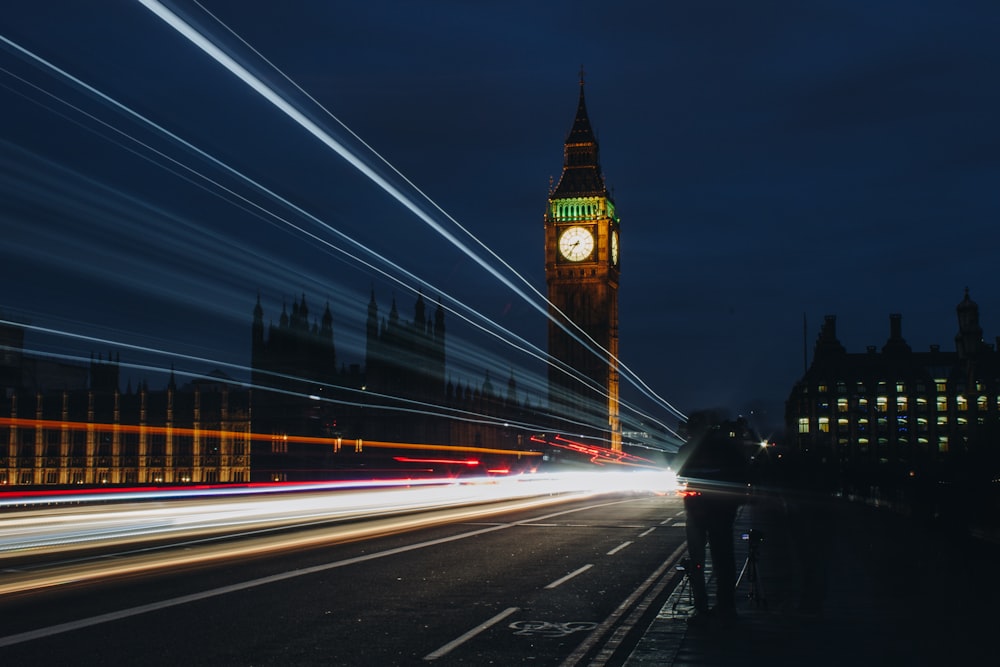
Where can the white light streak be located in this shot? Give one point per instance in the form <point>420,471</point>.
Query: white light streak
<point>192,521</point>
<point>478,320</point>
<point>292,112</point>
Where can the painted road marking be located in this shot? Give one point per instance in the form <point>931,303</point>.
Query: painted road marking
<point>563,580</point>
<point>60,628</point>
<point>547,629</point>
<point>618,548</point>
<point>452,645</point>
<point>602,630</point>
<point>647,532</point>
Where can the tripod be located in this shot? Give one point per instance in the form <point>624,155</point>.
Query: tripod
<point>756,592</point>
<point>683,566</point>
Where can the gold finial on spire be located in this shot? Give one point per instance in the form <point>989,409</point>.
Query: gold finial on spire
<point>581,75</point>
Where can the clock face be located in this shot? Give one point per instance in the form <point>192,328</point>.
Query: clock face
<point>614,248</point>
<point>576,244</point>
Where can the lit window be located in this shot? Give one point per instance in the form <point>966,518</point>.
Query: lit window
<point>941,386</point>
<point>982,404</point>
<point>803,424</point>
<point>841,405</point>
<point>824,424</point>
<point>961,403</point>
<point>900,387</point>
<point>881,404</point>
<point>821,389</point>
<point>942,403</point>
<point>901,403</point>
<point>942,420</point>
<point>943,444</point>
<point>842,423</point>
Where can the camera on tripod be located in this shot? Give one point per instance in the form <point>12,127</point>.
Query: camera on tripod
<point>753,538</point>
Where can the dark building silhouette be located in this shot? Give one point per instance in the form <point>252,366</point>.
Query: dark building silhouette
<point>400,395</point>
<point>881,416</point>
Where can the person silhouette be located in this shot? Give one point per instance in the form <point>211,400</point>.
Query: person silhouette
<point>713,475</point>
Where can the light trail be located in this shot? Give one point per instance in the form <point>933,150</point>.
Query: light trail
<point>63,530</point>
<point>365,397</point>
<point>475,356</point>
<point>471,356</point>
<point>180,431</point>
<point>265,91</point>
<point>590,343</point>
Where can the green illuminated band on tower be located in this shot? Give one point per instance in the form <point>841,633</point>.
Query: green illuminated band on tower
<point>582,208</point>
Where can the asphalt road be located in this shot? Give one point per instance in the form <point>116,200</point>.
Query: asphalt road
<point>562,584</point>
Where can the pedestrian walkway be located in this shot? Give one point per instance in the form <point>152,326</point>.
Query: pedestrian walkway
<point>887,590</point>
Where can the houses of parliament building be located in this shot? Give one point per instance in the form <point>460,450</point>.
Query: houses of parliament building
<point>306,415</point>
<point>300,417</point>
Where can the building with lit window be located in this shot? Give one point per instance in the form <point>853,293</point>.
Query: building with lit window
<point>56,431</point>
<point>893,412</point>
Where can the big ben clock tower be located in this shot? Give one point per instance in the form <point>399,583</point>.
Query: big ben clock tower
<point>581,270</point>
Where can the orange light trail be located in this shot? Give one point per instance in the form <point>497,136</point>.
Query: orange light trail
<point>358,443</point>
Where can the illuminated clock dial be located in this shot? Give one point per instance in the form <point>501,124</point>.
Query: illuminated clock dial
<point>614,248</point>
<point>576,244</point>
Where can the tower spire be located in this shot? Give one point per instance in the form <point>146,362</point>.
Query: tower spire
<point>581,175</point>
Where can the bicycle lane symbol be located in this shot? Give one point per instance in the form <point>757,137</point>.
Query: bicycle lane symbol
<point>547,629</point>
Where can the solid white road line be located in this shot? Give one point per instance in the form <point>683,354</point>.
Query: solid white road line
<point>601,630</point>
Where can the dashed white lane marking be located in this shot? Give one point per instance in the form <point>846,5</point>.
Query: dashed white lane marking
<point>563,580</point>
<point>60,628</point>
<point>618,548</point>
<point>452,645</point>
<point>646,532</point>
<point>666,521</point>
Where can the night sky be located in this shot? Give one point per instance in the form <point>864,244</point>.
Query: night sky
<point>772,163</point>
